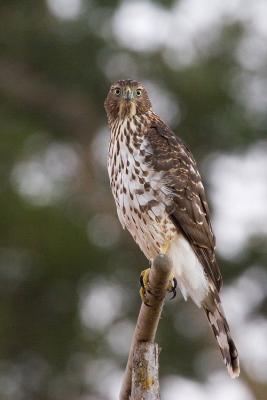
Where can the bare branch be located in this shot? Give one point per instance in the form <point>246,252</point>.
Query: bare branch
<point>149,316</point>
<point>145,373</point>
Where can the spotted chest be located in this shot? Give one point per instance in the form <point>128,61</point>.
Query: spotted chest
<point>138,189</point>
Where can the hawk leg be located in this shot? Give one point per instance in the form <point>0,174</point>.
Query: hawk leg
<point>144,282</point>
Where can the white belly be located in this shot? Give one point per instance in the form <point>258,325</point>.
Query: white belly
<point>188,271</point>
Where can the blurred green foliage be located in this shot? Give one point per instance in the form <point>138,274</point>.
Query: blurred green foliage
<point>54,75</point>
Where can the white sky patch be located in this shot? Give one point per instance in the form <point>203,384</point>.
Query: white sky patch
<point>239,196</point>
<point>219,387</point>
<point>100,305</point>
<point>43,178</point>
<point>174,387</point>
<point>119,337</point>
<point>253,13</point>
<point>250,90</point>
<point>65,9</point>
<point>244,295</point>
<point>180,30</point>
<point>194,27</point>
<point>102,374</point>
<point>251,52</point>
<point>141,25</point>
<point>253,348</point>
<point>188,27</point>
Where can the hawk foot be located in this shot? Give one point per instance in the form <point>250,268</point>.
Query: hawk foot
<point>144,282</point>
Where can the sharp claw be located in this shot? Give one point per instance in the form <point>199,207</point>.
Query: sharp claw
<point>143,296</point>
<point>173,294</point>
<point>147,304</point>
<point>173,288</point>
<point>174,283</point>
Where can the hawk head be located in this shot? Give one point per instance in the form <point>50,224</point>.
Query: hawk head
<point>126,98</point>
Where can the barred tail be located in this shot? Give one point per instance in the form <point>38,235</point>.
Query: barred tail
<point>222,334</point>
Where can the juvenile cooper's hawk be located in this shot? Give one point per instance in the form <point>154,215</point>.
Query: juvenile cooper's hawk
<point>160,199</point>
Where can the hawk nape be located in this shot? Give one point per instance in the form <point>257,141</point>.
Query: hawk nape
<point>160,199</point>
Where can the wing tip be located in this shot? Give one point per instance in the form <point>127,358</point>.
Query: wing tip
<point>233,367</point>
<point>234,370</point>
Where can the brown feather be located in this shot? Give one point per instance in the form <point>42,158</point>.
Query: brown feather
<point>189,211</point>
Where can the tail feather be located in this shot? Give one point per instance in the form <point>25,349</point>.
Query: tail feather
<point>222,334</point>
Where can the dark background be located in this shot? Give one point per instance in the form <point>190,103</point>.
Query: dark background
<point>68,273</point>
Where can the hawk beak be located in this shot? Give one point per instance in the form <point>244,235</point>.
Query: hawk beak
<point>128,94</point>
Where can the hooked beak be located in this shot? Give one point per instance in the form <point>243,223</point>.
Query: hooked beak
<point>128,94</point>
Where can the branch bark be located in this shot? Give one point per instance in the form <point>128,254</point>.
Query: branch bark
<point>145,331</point>
<point>145,372</point>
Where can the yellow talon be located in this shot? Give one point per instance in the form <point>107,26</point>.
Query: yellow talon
<point>144,281</point>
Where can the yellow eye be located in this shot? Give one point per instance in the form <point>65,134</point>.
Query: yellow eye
<point>117,91</point>
<point>138,92</point>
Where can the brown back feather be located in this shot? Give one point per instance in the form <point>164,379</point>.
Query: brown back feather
<point>189,209</point>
